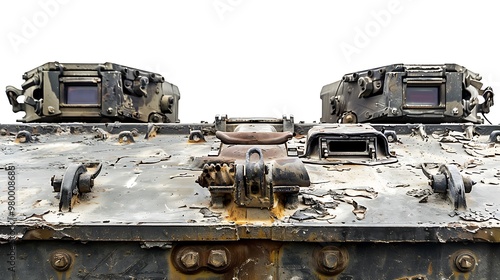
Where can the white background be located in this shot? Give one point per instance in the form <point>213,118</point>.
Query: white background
<point>248,57</point>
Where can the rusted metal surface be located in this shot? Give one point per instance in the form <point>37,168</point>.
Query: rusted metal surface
<point>249,259</point>
<point>260,179</point>
<point>348,216</point>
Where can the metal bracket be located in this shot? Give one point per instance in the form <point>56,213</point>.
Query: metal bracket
<point>251,185</point>
<point>348,144</point>
<point>215,149</point>
<point>449,181</point>
<point>420,130</point>
<point>196,136</point>
<point>220,122</point>
<point>139,86</point>
<point>391,136</point>
<point>36,104</point>
<point>152,130</point>
<point>76,179</point>
<point>225,124</point>
<point>291,149</point>
<point>12,94</point>
<point>101,134</point>
<point>288,123</point>
<point>23,136</point>
<point>126,137</point>
<point>494,136</point>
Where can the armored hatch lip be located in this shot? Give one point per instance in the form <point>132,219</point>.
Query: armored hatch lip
<point>293,232</point>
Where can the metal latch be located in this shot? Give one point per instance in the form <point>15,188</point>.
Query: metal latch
<point>449,181</point>
<point>254,183</point>
<point>78,178</point>
<point>251,185</point>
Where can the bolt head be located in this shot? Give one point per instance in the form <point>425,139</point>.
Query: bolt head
<point>330,259</point>
<point>217,258</point>
<point>51,110</point>
<point>110,110</point>
<point>465,262</point>
<point>190,259</point>
<point>394,111</point>
<point>455,111</point>
<point>60,261</point>
<point>349,119</point>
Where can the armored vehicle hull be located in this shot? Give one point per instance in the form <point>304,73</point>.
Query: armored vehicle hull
<point>146,216</point>
<point>362,195</point>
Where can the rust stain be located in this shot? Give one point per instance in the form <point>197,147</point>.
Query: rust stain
<point>152,134</point>
<point>175,274</point>
<point>491,235</point>
<point>456,275</point>
<point>74,201</point>
<point>39,234</point>
<point>247,260</point>
<point>278,211</point>
<point>65,274</point>
<point>242,215</point>
<point>61,275</point>
<point>236,214</point>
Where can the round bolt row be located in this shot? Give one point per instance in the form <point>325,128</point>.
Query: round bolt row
<point>330,260</point>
